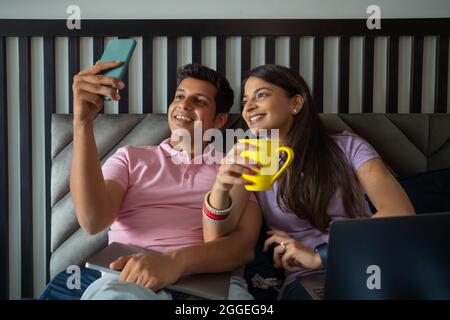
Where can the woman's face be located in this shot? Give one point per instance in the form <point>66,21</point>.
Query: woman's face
<point>267,106</point>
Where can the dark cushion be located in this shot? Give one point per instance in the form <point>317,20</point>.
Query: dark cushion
<point>262,267</point>
<point>429,192</point>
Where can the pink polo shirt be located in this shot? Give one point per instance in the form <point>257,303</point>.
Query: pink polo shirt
<point>162,207</point>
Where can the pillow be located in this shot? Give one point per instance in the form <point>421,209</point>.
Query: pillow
<point>429,192</point>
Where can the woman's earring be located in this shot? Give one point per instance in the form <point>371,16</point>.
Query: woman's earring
<point>295,111</point>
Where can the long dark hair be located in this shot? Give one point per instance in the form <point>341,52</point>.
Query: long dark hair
<point>320,167</point>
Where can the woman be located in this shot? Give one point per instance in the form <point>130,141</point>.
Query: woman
<point>326,181</point>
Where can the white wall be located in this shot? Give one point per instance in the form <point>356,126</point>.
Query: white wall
<point>175,9</point>
<point>225,9</point>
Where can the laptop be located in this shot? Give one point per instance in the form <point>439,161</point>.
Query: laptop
<point>386,258</point>
<point>208,286</point>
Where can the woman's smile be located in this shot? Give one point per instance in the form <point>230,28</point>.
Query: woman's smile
<point>253,119</point>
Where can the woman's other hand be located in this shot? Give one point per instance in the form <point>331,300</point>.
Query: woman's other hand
<point>290,253</point>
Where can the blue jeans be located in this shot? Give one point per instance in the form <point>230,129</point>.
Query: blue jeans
<point>295,291</point>
<point>57,288</point>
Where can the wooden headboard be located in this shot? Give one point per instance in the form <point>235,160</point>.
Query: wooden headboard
<point>292,31</point>
<point>319,29</point>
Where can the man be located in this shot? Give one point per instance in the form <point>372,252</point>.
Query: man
<point>148,199</point>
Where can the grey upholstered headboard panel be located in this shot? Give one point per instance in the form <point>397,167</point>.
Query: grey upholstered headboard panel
<point>409,144</point>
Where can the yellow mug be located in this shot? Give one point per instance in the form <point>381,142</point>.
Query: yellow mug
<point>267,156</point>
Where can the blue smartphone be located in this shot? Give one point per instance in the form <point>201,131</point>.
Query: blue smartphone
<point>118,50</point>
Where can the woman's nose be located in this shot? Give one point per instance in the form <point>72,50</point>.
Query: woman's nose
<point>249,106</point>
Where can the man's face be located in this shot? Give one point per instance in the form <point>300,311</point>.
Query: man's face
<point>194,101</point>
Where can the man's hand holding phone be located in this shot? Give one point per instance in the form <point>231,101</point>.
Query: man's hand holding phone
<point>101,82</point>
<point>89,87</point>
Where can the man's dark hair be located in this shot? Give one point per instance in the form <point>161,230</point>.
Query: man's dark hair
<point>224,96</point>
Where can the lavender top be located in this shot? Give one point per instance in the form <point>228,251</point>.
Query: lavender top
<point>357,152</point>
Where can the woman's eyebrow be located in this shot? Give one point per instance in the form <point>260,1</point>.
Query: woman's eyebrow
<point>256,90</point>
<point>262,88</point>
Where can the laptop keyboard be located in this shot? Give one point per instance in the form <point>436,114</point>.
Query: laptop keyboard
<point>319,291</point>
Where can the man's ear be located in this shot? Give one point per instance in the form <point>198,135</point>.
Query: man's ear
<point>220,120</point>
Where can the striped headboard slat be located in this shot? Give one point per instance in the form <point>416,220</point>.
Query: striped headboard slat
<point>441,76</point>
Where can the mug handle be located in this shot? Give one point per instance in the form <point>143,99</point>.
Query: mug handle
<point>290,158</point>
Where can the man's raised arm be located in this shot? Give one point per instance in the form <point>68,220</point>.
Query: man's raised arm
<point>96,201</point>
